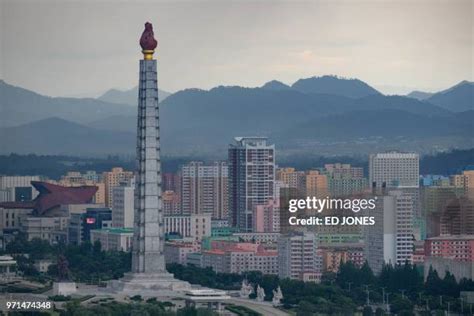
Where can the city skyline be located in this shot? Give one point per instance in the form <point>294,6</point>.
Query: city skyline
<point>271,46</point>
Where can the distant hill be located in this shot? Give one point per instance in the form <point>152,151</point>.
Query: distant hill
<point>352,88</point>
<point>20,106</point>
<point>275,85</point>
<point>58,136</point>
<point>419,95</point>
<point>116,123</point>
<point>128,96</point>
<point>457,98</point>
<point>383,123</point>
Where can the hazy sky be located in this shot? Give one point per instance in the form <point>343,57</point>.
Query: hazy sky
<point>86,47</point>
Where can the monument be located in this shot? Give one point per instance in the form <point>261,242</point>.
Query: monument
<point>246,289</point>
<point>148,262</point>
<point>277,297</point>
<point>260,294</point>
<point>64,285</point>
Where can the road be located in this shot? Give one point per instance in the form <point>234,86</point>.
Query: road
<point>263,308</point>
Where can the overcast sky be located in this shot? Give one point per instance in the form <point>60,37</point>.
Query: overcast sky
<point>63,48</point>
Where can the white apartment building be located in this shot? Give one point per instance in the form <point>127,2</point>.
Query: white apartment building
<point>394,169</point>
<point>123,206</point>
<point>113,239</point>
<point>391,239</point>
<point>297,256</point>
<point>193,227</point>
<point>240,261</point>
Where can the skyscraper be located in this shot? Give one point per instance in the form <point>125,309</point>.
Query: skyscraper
<point>390,240</point>
<point>204,189</point>
<point>251,178</point>
<point>148,263</point>
<point>394,169</point>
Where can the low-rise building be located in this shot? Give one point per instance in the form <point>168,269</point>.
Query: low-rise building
<point>236,257</point>
<point>51,229</point>
<point>113,239</point>
<point>262,238</point>
<point>193,227</point>
<point>458,247</point>
<point>177,252</point>
<point>335,254</point>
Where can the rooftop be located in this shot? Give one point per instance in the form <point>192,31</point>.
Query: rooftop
<point>52,195</point>
<point>116,230</point>
<point>453,237</point>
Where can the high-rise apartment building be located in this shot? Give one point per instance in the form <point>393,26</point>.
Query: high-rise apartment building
<point>251,178</point>
<point>464,181</point>
<point>204,189</point>
<point>123,205</point>
<point>171,203</point>
<point>394,169</point>
<point>316,184</point>
<point>457,217</point>
<point>112,179</point>
<point>266,218</point>
<point>343,170</point>
<point>345,180</point>
<point>171,182</point>
<point>297,256</point>
<point>292,178</point>
<point>390,239</point>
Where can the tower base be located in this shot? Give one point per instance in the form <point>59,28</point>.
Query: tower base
<point>147,284</point>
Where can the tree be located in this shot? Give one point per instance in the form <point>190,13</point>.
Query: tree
<point>367,311</point>
<point>449,285</point>
<point>401,304</point>
<point>433,282</point>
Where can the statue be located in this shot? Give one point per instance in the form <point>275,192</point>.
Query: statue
<point>63,269</point>
<point>246,289</point>
<point>64,285</point>
<point>277,296</point>
<point>260,294</point>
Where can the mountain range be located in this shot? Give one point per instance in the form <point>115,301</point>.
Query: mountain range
<point>312,115</point>
<point>127,96</point>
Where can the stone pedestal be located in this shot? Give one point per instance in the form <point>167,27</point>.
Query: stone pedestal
<point>146,283</point>
<point>64,288</point>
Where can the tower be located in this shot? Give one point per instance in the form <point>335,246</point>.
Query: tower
<point>148,262</point>
<point>148,237</point>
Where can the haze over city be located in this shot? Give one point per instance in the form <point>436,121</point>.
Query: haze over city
<point>83,49</point>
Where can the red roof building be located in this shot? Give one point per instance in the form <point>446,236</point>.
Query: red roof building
<point>51,196</point>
